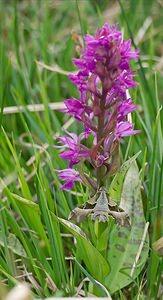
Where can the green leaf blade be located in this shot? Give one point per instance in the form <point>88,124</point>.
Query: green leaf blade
<point>128,249</point>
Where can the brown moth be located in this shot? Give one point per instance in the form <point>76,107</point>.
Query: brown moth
<point>100,207</point>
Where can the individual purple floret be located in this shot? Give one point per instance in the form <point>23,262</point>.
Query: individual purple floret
<point>124,129</point>
<point>103,79</point>
<point>70,176</point>
<point>75,150</point>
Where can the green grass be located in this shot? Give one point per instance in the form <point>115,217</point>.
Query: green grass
<point>33,242</point>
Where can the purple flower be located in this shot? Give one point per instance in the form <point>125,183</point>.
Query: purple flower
<point>75,149</point>
<point>75,108</point>
<point>126,51</point>
<point>79,80</point>
<point>124,129</point>
<point>124,108</point>
<point>70,176</point>
<point>103,79</point>
<point>100,159</point>
<point>105,55</point>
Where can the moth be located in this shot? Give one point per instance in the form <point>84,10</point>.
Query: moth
<point>100,207</point>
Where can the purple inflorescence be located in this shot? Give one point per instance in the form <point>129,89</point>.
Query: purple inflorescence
<point>103,79</point>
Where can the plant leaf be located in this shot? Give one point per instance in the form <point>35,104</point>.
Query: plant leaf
<point>99,286</point>
<point>116,186</point>
<point>13,244</point>
<point>94,261</point>
<point>128,249</point>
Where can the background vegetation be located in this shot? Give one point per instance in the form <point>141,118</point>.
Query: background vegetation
<point>32,243</point>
